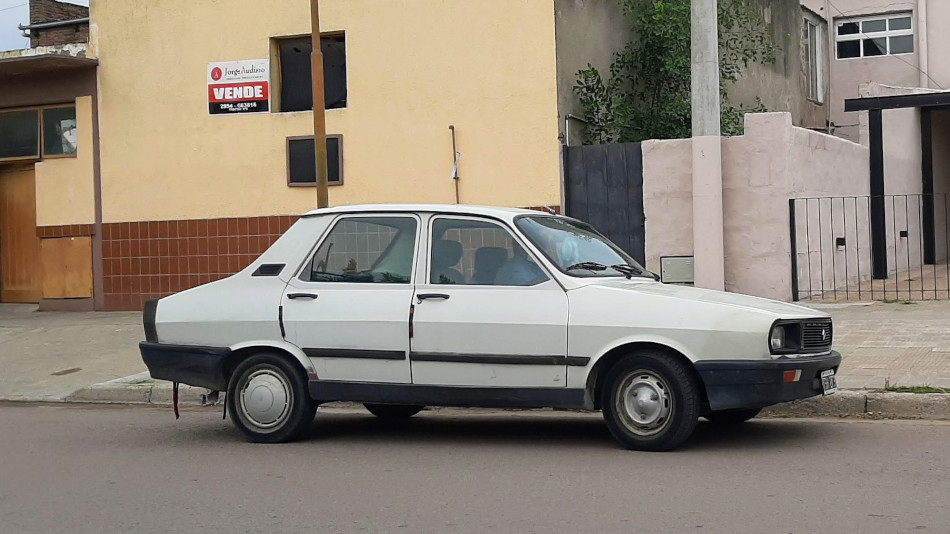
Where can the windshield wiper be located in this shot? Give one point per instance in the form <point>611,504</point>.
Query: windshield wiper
<point>627,270</point>
<point>587,266</point>
<point>623,268</point>
<point>633,270</point>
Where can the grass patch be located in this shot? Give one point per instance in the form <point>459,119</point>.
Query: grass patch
<point>916,389</point>
<point>901,302</point>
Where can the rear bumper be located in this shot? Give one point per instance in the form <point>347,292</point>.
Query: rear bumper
<point>187,364</point>
<point>757,384</point>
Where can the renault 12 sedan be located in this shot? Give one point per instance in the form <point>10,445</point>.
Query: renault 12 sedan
<point>400,307</point>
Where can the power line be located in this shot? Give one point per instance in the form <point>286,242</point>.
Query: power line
<point>13,7</point>
<point>896,56</point>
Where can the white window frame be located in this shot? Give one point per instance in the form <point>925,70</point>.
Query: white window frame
<point>816,61</point>
<point>886,34</point>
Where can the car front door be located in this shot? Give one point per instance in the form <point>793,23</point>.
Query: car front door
<point>486,314</point>
<point>348,307</point>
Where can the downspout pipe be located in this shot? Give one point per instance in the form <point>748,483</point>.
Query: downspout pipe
<point>567,126</point>
<point>923,52</point>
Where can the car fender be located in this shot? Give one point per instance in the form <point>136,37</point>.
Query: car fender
<point>645,338</point>
<point>284,346</point>
<point>578,376</point>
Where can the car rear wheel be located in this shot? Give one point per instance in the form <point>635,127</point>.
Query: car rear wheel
<point>732,417</point>
<point>651,401</point>
<point>268,399</point>
<point>393,411</point>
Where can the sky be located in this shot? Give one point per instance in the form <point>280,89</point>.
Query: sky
<point>12,13</point>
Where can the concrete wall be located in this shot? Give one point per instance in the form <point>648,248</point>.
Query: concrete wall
<point>413,68</point>
<point>772,162</point>
<point>64,186</point>
<point>586,32</point>
<point>938,42</point>
<point>848,75</point>
<point>782,86</point>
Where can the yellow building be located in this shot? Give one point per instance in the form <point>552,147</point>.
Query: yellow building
<point>168,188</point>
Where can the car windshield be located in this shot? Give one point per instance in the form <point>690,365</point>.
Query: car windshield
<point>577,248</point>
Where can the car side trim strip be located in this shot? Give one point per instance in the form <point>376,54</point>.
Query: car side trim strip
<point>458,396</point>
<point>355,354</point>
<point>498,359</point>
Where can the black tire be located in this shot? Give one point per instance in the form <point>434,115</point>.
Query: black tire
<point>665,391</point>
<point>393,412</point>
<point>732,417</point>
<point>274,382</point>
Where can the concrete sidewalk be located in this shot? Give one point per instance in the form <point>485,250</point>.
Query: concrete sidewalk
<point>47,356</point>
<point>93,357</point>
<point>892,344</point>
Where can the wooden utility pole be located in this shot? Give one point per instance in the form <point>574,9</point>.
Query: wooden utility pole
<point>319,113</point>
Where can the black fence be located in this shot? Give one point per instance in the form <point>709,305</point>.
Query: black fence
<point>891,247</point>
<point>604,186</point>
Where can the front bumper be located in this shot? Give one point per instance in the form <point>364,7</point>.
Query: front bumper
<point>733,384</point>
<point>187,364</point>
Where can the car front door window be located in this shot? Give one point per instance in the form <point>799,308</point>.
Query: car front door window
<point>473,252</point>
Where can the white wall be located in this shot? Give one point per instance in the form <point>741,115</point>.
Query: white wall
<point>848,75</point>
<point>762,169</point>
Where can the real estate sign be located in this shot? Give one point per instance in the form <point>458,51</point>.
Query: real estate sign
<point>239,87</point>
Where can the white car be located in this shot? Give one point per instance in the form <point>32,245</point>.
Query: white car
<point>404,306</point>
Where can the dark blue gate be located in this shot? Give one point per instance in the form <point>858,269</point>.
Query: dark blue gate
<point>604,186</point>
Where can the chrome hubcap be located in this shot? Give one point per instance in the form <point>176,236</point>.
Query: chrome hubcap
<point>265,398</point>
<point>644,403</point>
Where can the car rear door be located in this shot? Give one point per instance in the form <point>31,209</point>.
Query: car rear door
<point>486,314</point>
<point>348,307</point>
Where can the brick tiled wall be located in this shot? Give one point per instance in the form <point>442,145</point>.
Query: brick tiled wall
<point>52,11</point>
<point>66,230</point>
<point>151,259</point>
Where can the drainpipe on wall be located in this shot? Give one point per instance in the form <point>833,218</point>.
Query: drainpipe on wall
<point>922,43</point>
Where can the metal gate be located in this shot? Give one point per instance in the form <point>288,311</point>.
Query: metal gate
<point>604,186</point>
<point>891,247</point>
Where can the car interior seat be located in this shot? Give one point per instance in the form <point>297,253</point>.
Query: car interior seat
<point>445,255</point>
<point>488,260</point>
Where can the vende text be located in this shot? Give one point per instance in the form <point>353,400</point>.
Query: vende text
<point>236,92</point>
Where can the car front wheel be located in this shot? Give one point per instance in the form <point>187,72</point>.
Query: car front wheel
<point>651,401</point>
<point>268,399</point>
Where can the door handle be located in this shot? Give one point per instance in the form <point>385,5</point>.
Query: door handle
<point>293,296</point>
<point>427,296</point>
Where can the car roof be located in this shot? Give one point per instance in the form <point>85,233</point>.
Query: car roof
<point>458,209</point>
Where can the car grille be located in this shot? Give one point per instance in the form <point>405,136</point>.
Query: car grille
<point>817,336</point>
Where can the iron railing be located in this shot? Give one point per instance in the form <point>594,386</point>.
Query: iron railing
<point>891,247</point>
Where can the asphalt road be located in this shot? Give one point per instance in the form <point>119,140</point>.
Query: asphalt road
<point>113,469</point>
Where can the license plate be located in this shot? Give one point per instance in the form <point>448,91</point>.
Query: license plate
<point>829,383</point>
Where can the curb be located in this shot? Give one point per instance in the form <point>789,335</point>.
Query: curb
<point>868,404</point>
<point>139,389</point>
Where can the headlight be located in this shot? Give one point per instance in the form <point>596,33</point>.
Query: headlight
<point>777,339</point>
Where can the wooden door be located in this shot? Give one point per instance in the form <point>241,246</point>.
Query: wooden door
<point>21,276</point>
<point>67,267</point>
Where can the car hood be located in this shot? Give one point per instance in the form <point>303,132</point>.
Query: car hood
<point>781,310</point>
